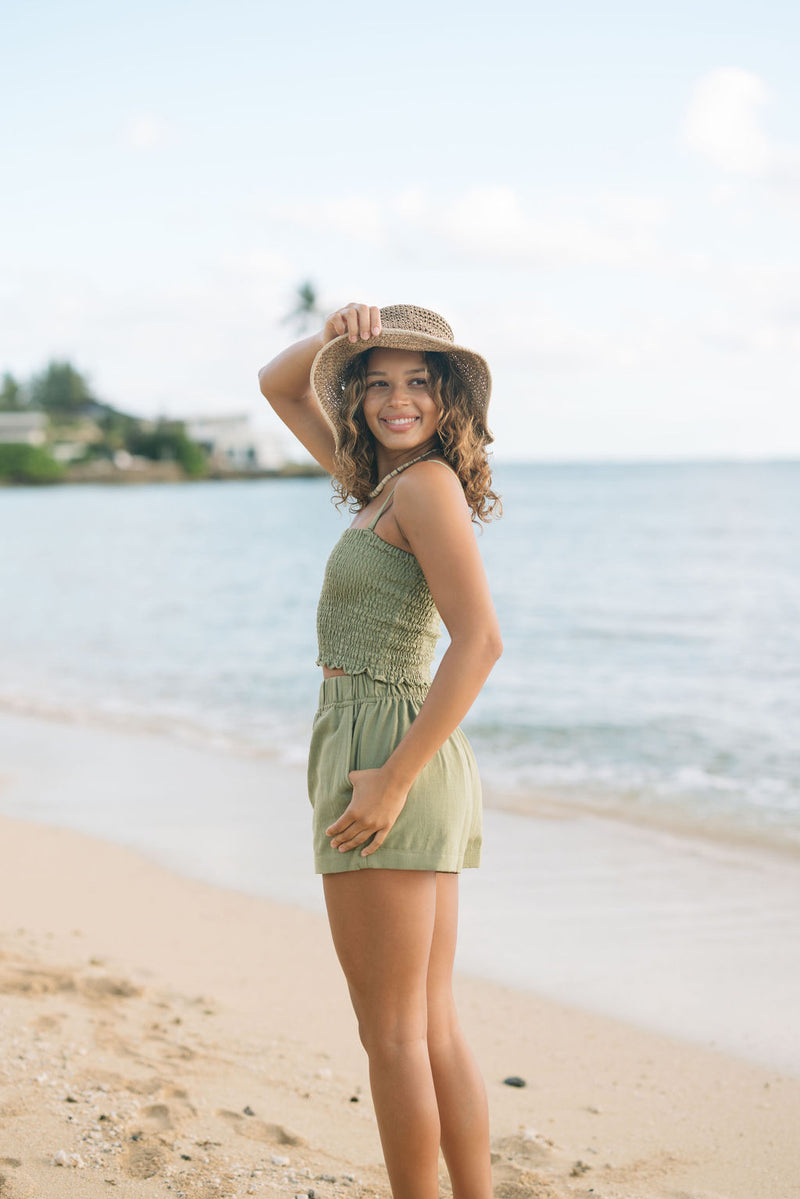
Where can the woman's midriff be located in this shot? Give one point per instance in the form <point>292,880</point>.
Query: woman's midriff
<point>332,672</point>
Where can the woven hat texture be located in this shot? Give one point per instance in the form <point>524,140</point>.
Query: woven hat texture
<point>403,327</point>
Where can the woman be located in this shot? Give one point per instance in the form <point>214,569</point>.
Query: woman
<point>395,411</point>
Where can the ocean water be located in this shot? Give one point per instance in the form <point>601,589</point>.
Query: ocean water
<point>649,615</point>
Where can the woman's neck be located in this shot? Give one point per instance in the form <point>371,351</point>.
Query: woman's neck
<point>387,460</point>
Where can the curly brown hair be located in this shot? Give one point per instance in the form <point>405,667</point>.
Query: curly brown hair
<point>463,437</point>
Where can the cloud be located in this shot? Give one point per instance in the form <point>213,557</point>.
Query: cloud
<point>545,338</point>
<point>492,225</point>
<point>722,125</point>
<point>358,217</point>
<point>145,132</point>
<point>591,230</point>
<point>753,333</point>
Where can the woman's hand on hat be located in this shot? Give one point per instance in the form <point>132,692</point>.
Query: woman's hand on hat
<point>358,322</point>
<point>373,810</point>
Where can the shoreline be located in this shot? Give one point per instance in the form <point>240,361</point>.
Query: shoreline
<point>548,805</point>
<point>683,936</point>
<point>161,1030</point>
<point>544,803</point>
<point>102,472</point>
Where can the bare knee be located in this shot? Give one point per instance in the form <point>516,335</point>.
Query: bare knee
<point>443,1025</point>
<point>389,1031</point>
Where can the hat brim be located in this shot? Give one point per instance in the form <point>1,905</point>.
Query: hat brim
<point>330,362</point>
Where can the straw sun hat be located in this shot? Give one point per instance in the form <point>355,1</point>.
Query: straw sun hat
<point>403,327</point>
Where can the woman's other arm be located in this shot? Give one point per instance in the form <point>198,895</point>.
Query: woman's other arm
<point>447,551</point>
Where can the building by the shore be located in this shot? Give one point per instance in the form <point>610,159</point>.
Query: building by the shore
<point>234,443</point>
<point>23,428</point>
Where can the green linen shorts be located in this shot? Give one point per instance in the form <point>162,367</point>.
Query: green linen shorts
<point>359,722</point>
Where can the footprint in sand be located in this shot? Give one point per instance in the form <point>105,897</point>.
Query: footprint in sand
<point>14,1182</point>
<point>105,987</point>
<point>156,1118</point>
<point>258,1130</point>
<point>17,979</point>
<point>530,1149</point>
<point>47,1023</point>
<point>142,1160</point>
<point>520,1166</point>
<point>145,1086</point>
<point>153,1119</point>
<point>525,1186</point>
<point>26,980</point>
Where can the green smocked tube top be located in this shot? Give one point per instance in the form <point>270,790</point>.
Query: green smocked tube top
<point>376,615</point>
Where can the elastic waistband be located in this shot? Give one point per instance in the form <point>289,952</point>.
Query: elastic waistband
<point>360,688</point>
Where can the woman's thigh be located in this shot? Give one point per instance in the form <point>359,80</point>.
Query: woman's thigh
<point>445,933</point>
<point>382,923</point>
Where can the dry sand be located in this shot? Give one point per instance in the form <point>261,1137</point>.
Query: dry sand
<point>164,1036</point>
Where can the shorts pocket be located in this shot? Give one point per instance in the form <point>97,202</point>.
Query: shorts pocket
<point>329,787</point>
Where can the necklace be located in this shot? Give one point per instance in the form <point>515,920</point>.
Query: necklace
<point>380,486</point>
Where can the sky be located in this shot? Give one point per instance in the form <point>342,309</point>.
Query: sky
<point>603,200</point>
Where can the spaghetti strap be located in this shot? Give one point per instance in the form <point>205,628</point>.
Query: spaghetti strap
<point>388,500</point>
<point>383,507</point>
<point>438,462</point>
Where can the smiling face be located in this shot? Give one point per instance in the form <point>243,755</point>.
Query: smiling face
<point>399,410</point>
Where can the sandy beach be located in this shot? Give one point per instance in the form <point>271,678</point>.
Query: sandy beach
<point>161,1034</point>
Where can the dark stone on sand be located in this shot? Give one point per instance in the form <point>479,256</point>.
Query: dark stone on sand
<point>70,1099</point>
<point>514,1080</point>
<point>248,1111</point>
<point>354,1098</point>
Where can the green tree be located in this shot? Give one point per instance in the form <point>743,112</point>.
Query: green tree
<point>21,463</point>
<point>12,395</point>
<point>60,389</point>
<point>306,310</point>
<point>168,442</point>
<point>191,457</point>
<point>117,427</point>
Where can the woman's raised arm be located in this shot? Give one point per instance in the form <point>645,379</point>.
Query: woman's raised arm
<point>285,381</point>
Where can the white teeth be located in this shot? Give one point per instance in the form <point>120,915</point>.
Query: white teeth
<point>405,420</point>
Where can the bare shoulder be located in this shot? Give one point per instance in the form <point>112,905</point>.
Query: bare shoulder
<point>430,507</point>
<point>428,485</point>
<point>433,516</point>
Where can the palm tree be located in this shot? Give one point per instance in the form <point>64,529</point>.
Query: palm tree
<point>305,310</point>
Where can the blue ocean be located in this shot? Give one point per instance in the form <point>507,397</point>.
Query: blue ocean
<point>650,616</point>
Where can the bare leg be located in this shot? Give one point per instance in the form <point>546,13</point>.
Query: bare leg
<point>460,1091</point>
<point>382,924</point>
